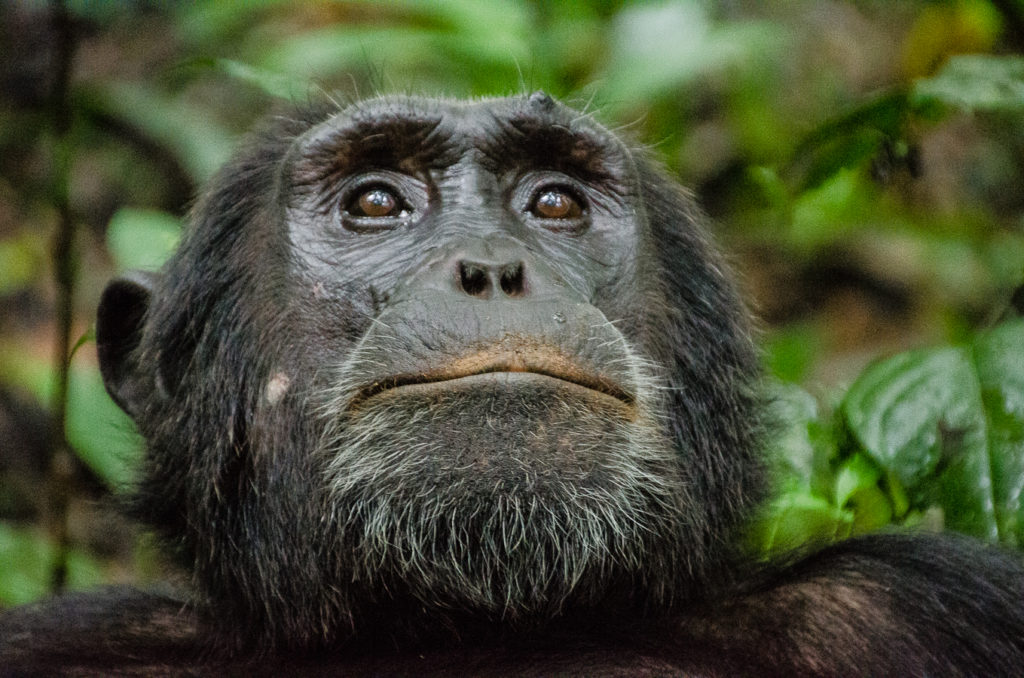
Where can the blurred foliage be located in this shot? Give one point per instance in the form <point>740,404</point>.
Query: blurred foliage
<point>27,556</point>
<point>933,435</point>
<point>862,160</point>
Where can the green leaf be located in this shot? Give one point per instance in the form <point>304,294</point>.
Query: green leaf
<point>211,25</point>
<point>794,412</point>
<point>86,337</point>
<point>20,261</point>
<point>849,140</point>
<point>999,357</point>
<point>142,239</point>
<point>28,557</point>
<point>948,424</point>
<point>186,129</point>
<point>770,186</point>
<point>656,49</point>
<point>101,434</point>
<point>856,474</point>
<point>274,84</point>
<point>797,519</point>
<point>871,508</point>
<point>857,490</point>
<point>802,446</point>
<point>482,60</point>
<point>975,82</point>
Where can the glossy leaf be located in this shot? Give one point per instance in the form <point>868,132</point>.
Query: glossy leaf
<point>800,511</point>
<point>795,409</point>
<point>948,424</point>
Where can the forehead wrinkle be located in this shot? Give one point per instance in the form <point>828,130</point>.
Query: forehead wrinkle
<point>552,139</point>
<point>389,133</point>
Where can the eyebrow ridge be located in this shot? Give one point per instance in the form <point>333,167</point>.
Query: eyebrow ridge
<point>539,140</point>
<point>386,139</point>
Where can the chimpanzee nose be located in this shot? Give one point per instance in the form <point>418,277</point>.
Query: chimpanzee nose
<point>484,278</point>
<point>491,269</point>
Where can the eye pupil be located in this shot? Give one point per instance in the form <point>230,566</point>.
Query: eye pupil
<point>556,204</point>
<point>377,202</point>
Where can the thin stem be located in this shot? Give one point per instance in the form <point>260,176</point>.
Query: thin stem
<point>61,472</point>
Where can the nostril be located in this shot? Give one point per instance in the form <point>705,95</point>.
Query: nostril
<point>511,280</point>
<point>473,279</point>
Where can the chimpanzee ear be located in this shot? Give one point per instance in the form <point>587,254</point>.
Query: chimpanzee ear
<point>119,322</point>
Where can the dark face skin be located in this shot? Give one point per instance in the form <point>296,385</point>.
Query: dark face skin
<point>473,260</point>
<point>439,360</point>
<point>492,379</point>
<point>445,182</point>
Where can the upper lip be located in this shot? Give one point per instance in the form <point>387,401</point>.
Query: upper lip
<point>521,361</point>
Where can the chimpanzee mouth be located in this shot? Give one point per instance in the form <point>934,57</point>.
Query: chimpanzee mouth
<point>488,368</point>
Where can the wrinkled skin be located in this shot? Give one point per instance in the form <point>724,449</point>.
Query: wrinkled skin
<point>443,387</point>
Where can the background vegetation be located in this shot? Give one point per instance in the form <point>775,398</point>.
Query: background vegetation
<point>863,161</point>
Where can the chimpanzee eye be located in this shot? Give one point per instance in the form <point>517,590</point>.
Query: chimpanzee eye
<point>376,202</point>
<point>555,203</point>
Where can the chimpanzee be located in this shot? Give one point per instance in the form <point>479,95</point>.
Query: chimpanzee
<point>440,387</point>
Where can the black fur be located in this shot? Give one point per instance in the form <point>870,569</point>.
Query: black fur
<point>466,438</point>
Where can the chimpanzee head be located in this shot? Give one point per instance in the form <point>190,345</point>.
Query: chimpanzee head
<point>422,360</point>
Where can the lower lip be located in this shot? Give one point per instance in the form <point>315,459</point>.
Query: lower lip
<point>509,380</point>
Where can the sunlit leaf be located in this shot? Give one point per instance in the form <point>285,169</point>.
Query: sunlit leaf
<point>857,490</point>
<point>799,519</point>
<point>789,351</point>
<point>976,82</point>
<point>945,28</point>
<point>855,474</point>
<point>825,213</point>
<point>657,48</point>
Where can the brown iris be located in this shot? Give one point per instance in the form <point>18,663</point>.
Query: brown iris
<point>376,202</point>
<point>555,203</point>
